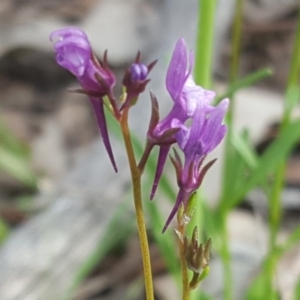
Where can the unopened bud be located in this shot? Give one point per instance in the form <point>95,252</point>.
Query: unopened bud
<point>197,256</point>
<point>138,72</point>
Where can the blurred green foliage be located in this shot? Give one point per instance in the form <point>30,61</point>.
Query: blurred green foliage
<point>14,158</point>
<point>14,161</point>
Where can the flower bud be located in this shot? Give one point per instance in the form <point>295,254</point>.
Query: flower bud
<point>197,256</point>
<point>138,72</point>
<point>135,80</point>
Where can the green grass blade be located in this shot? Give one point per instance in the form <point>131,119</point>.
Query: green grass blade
<point>4,231</point>
<point>248,81</point>
<point>278,151</point>
<point>297,290</point>
<point>17,167</point>
<point>244,149</point>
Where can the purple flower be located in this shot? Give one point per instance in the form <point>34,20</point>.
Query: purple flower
<point>191,102</point>
<point>187,96</point>
<point>74,53</point>
<point>196,141</point>
<point>163,133</point>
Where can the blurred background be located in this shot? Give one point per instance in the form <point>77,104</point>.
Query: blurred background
<point>58,191</point>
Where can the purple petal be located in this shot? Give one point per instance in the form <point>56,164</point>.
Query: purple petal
<point>73,52</point>
<point>162,157</point>
<point>176,74</point>
<point>99,111</point>
<point>180,199</point>
<point>182,136</point>
<point>214,131</point>
<point>66,32</point>
<point>72,41</point>
<point>196,128</point>
<point>209,95</point>
<point>218,138</point>
<point>174,119</point>
<point>76,61</point>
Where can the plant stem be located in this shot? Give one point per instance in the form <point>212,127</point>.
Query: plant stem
<point>293,79</point>
<point>226,260</point>
<point>4,231</point>
<point>203,66</point>
<point>184,270</point>
<point>235,53</point>
<point>229,154</point>
<point>275,195</point>
<point>204,46</point>
<point>136,183</point>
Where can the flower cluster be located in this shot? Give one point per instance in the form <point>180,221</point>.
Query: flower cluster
<point>74,53</point>
<point>193,123</point>
<point>197,140</point>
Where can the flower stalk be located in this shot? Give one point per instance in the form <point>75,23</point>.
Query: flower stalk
<point>193,256</point>
<point>137,195</point>
<point>181,227</point>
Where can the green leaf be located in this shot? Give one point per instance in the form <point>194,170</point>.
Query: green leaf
<point>239,161</point>
<point>278,151</point>
<point>200,295</point>
<point>10,142</point>
<point>297,290</point>
<point>243,148</point>
<point>291,241</point>
<point>257,290</point>
<point>244,83</point>
<point>4,231</point>
<point>17,167</point>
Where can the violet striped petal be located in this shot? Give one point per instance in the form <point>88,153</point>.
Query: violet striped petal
<point>100,116</point>
<point>176,74</point>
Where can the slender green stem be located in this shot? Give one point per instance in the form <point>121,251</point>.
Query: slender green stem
<point>293,79</point>
<point>185,278</point>
<point>184,269</point>
<point>236,41</point>
<point>275,205</point>
<point>245,82</point>
<point>226,259</point>
<point>229,157</point>
<point>136,182</point>
<point>270,267</point>
<point>203,60</point>
<point>275,195</point>
<point>204,47</point>
<point>235,54</point>
<point>203,64</point>
<point>4,231</point>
